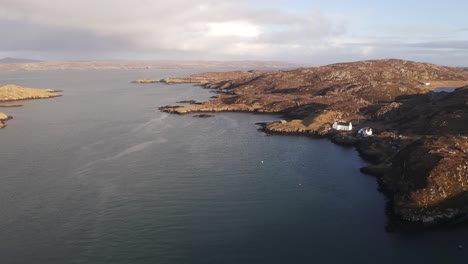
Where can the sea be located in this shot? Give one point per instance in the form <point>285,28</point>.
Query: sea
<point>100,175</point>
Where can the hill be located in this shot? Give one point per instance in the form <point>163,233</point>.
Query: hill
<point>412,125</point>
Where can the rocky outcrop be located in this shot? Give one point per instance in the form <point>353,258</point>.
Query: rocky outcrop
<point>348,87</point>
<point>15,93</point>
<point>428,180</point>
<point>147,80</point>
<point>210,79</point>
<point>3,118</point>
<point>411,124</point>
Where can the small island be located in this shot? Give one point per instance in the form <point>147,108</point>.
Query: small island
<point>415,139</point>
<point>9,93</point>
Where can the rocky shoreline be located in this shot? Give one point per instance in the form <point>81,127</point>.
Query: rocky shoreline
<point>10,93</point>
<point>411,125</point>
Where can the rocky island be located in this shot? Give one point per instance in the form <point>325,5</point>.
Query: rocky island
<point>419,146</point>
<point>11,92</point>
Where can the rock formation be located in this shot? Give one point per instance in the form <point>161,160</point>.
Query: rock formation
<point>3,117</point>
<point>14,93</point>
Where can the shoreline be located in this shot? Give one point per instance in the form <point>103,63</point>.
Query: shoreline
<point>418,151</point>
<point>374,169</point>
<point>12,93</point>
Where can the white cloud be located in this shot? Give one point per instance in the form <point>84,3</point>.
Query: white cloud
<point>213,29</point>
<point>233,28</point>
<point>206,29</point>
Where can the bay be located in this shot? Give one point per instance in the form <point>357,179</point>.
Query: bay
<point>101,176</point>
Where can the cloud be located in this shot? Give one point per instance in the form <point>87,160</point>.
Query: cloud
<point>19,35</point>
<point>454,44</point>
<point>212,29</point>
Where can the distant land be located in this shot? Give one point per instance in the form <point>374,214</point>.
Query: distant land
<point>17,60</point>
<point>12,64</point>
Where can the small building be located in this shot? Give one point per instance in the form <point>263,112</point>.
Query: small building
<point>343,126</point>
<point>365,132</point>
<point>426,83</point>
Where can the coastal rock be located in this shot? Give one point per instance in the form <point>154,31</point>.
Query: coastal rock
<point>14,93</point>
<point>147,80</point>
<point>3,117</point>
<point>429,180</point>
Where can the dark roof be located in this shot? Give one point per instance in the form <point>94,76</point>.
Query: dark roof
<point>343,123</point>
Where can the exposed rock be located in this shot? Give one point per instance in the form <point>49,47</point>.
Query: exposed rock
<point>9,104</point>
<point>147,80</point>
<point>3,117</point>
<point>387,111</point>
<point>429,180</point>
<point>14,93</point>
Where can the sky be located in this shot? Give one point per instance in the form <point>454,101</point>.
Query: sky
<point>312,32</point>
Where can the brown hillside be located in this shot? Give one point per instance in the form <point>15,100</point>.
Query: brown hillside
<point>392,97</point>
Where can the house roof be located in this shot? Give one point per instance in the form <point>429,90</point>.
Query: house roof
<point>343,123</point>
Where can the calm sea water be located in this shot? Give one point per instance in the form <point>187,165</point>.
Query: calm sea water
<point>101,176</point>
<point>444,89</point>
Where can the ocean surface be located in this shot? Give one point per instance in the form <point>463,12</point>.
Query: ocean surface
<point>101,176</point>
<point>445,89</point>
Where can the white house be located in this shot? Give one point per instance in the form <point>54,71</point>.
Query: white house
<point>343,126</point>
<point>365,132</point>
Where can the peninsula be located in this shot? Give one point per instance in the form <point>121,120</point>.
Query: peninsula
<point>11,92</point>
<point>419,146</point>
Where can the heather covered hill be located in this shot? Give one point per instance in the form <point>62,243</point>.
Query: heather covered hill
<point>352,90</point>
<point>412,125</point>
<point>427,114</point>
<point>357,83</point>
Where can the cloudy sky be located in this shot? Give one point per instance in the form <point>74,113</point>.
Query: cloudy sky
<point>309,31</point>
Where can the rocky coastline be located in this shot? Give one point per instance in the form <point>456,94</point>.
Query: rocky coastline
<point>10,93</point>
<point>419,149</point>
